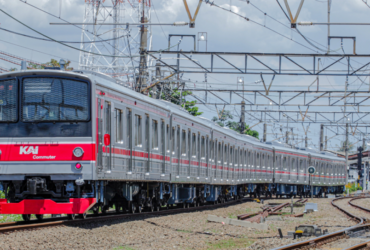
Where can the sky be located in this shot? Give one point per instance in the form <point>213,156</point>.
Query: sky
<point>225,31</point>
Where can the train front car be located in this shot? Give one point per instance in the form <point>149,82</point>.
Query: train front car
<point>47,156</point>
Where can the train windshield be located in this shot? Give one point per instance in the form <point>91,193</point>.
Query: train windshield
<point>8,100</point>
<point>54,99</point>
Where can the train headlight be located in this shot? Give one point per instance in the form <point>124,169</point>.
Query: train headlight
<point>78,152</point>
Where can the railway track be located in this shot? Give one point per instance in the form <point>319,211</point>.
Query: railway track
<point>60,221</point>
<point>362,226</point>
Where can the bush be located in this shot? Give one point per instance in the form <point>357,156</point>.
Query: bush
<point>352,187</point>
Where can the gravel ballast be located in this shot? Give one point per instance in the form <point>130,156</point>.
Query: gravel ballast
<point>179,231</point>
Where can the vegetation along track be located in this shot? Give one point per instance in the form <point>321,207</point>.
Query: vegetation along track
<point>50,222</point>
<point>329,238</point>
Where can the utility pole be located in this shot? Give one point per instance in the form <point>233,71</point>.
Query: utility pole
<point>326,142</point>
<point>287,137</point>
<point>242,118</point>
<point>158,76</point>
<point>141,80</point>
<point>328,25</point>
<point>346,151</point>
<point>306,142</point>
<point>264,132</point>
<point>322,137</point>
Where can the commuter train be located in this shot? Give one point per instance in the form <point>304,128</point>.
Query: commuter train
<point>77,141</point>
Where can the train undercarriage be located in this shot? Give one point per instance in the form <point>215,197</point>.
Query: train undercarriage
<point>41,195</point>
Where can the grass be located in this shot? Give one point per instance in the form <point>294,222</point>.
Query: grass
<point>184,231</point>
<point>241,243</point>
<point>123,248</point>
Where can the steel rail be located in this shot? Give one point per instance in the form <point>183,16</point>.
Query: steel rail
<point>33,224</point>
<point>321,240</point>
<point>361,246</point>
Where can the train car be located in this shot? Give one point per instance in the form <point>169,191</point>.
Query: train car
<point>77,141</point>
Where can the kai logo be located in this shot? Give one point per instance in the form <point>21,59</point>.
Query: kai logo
<point>29,150</point>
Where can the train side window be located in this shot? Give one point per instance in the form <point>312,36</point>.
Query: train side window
<point>293,164</point>
<point>147,132</point>
<point>119,128</point>
<point>193,146</point>
<point>138,131</point>
<point>203,148</point>
<point>285,167</point>
<point>263,163</point>
<point>183,143</point>
<point>231,155</point>
<point>219,153</point>
<point>301,165</point>
<point>167,137</point>
<point>258,160</point>
<point>225,154</point>
<point>155,134</point>
<point>177,141</point>
<point>173,140</point>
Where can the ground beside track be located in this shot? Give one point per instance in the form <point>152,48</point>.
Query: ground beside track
<point>178,231</point>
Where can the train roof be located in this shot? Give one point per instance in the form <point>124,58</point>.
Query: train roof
<point>173,108</point>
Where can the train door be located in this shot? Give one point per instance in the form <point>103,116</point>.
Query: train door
<point>107,148</point>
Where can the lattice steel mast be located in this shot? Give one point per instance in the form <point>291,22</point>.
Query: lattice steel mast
<point>125,39</point>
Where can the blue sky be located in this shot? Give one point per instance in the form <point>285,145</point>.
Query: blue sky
<point>226,32</point>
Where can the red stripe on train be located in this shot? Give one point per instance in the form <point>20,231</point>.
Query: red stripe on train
<point>46,152</point>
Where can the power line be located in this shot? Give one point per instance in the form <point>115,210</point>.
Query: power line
<point>48,40</point>
<point>78,48</point>
<point>250,20</point>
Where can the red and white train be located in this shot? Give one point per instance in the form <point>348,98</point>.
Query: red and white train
<point>74,141</point>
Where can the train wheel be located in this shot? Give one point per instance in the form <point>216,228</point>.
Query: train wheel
<point>39,216</point>
<point>140,209</point>
<point>152,208</point>
<point>82,216</point>
<point>71,216</point>
<point>26,217</point>
<point>133,208</point>
<point>95,210</point>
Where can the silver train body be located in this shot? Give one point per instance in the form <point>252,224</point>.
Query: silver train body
<point>136,151</point>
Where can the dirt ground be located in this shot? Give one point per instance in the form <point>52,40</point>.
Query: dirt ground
<point>180,231</point>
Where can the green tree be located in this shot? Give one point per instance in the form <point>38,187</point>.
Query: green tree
<point>225,119</point>
<point>236,127</point>
<point>342,146</point>
<point>52,63</point>
<point>190,106</point>
<point>224,115</point>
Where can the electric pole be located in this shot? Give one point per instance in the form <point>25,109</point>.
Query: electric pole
<point>242,118</point>
<point>141,80</point>
<point>322,137</point>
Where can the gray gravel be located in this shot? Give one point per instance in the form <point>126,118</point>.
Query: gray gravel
<point>180,231</point>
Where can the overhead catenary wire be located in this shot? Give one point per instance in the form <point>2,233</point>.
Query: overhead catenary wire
<point>133,56</point>
<point>49,40</point>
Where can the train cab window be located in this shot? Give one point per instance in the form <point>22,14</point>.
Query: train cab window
<point>203,148</point>
<point>119,129</point>
<point>155,134</point>
<point>138,131</point>
<point>183,143</point>
<point>193,145</point>
<point>8,101</point>
<point>54,99</point>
